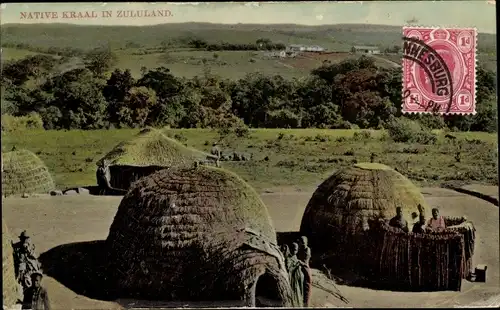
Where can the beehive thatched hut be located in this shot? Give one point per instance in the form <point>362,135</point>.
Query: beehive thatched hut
<point>24,172</point>
<point>346,222</point>
<point>149,151</point>
<point>11,289</point>
<point>196,234</point>
<point>352,198</point>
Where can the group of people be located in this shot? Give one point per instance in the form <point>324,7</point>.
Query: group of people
<point>435,224</point>
<point>297,263</point>
<point>28,275</point>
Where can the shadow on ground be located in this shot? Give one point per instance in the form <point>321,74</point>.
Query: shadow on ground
<point>81,267</point>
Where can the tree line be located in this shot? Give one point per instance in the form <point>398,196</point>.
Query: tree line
<point>260,44</point>
<point>349,94</point>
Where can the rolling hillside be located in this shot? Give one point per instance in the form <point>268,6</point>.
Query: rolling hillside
<point>333,37</point>
<point>165,45</point>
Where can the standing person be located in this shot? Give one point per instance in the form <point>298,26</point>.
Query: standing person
<point>398,221</point>
<point>25,260</point>
<point>419,227</point>
<point>215,150</point>
<point>305,257</point>
<point>286,254</point>
<point>436,222</point>
<point>296,276</point>
<point>36,297</point>
<point>103,175</point>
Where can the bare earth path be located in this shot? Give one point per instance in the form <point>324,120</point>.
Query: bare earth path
<point>60,220</point>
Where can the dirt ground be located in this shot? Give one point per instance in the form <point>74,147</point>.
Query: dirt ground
<point>54,221</point>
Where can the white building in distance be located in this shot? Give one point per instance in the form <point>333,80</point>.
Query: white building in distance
<point>359,49</point>
<point>304,48</point>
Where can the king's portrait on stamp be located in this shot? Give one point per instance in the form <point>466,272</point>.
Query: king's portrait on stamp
<point>439,70</point>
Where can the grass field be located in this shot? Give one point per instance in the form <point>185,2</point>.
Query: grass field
<point>149,41</point>
<point>190,63</point>
<point>334,37</point>
<point>227,64</point>
<point>295,156</point>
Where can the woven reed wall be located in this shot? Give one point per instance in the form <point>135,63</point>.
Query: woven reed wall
<point>468,231</point>
<point>179,234</point>
<point>397,260</point>
<point>429,262</point>
<point>24,172</point>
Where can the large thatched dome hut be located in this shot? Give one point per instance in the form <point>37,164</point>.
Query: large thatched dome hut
<point>11,290</point>
<point>24,172</point>
<point>193,234</point>
<point>347,219</point>
<point>349,200</point>
<point>149,151</point>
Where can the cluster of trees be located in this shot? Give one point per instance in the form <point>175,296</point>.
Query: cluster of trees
<point>350,94</point>
<point>260,44</point>
<point>52,50</point>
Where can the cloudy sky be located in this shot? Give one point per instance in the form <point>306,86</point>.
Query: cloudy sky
<point>479,13</point>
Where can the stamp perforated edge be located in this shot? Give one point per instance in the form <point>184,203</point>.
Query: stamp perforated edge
<point>475,69</point>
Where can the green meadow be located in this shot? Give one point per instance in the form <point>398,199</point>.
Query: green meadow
<point>281,157</point>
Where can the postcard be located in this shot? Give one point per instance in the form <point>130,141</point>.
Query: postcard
<point>259,154</point>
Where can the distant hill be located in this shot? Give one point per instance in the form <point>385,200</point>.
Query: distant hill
<point>165,45</point>
<point>338,36</point>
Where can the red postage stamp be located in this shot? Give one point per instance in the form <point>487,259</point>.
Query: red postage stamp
<point>439,70</point>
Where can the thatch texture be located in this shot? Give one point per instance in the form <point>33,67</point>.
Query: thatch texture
<point>350,199</point>
<point>347,221</point>
<point>344,208</point>
<point>153,148</point>
<point>430,261</point>
<point>182,234</point>
<point>148,152</point>
<point>11,289</point>
<point>24,172</point>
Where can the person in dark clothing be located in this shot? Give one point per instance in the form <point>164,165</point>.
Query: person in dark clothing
<point>296,275</point>
<point>304,256</point>
<point>419,227</point>
<point>103,176</point>
<point>25,260</point>
<point>398,221</point>
<point>36,297</point>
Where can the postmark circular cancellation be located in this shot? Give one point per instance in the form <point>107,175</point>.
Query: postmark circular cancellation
<point>439,70</point>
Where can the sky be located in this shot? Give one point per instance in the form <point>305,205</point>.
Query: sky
<point>478,13</point>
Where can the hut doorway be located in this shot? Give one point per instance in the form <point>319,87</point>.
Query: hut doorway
<point>267,292</point>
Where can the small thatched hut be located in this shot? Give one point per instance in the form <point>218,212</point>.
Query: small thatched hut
<point>146,153</point>
<point>24,172</point>
<point>196,234</point>
<point>346,222</point>
<point>11,289</point>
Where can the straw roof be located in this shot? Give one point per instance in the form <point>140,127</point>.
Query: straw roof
<point>181,234</point>
<point>347,201</point>
<point>10,287</point>
<point>151,147</point>
<point>24,172</point>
